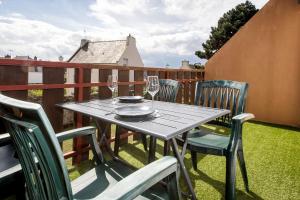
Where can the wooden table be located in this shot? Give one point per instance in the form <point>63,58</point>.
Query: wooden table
<point>171,120</point>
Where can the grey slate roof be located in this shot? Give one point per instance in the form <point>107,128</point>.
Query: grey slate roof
<point>105,52</point>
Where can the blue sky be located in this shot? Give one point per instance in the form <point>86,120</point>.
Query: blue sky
<point>167,31</point>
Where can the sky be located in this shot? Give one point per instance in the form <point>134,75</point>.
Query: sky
<point>166,31</point>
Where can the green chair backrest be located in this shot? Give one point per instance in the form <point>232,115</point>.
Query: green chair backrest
<point>38,149</point>
<point>222,94</point>
<point>168,90</point>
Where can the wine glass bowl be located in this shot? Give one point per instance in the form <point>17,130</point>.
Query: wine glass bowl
<point>112,84</point>
<point>152,86</point>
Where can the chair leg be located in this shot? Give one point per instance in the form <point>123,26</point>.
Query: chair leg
<point>117,140</point>
<point>230,176</point>
<point>194,159</point>
<point>173,187</point>
<point>144,140</point>
<point>152,149</point>
<point>240,156</point>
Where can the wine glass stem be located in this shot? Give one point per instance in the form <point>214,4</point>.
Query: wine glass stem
<point>152,102</point>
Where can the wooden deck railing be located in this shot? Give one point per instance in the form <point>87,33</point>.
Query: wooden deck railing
<point>14,83</point>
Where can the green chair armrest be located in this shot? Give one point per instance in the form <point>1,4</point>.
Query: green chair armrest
<point>4,139</point>
<point>66,135</point>
<point>243,117</point>
<point>141,180</point>
<point>90,133</point>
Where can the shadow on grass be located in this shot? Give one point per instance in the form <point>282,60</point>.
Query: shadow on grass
<point>220,187</point>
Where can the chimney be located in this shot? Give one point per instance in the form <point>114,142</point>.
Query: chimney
<point>84,43</point>
<point>60,58</point>
<point>130,40</point>
<point>185,64</point>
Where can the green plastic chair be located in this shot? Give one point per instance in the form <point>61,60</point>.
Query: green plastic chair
<point>229,95</point>
<point>168,90</point>
<point>45,172</point>
<point>11,177</point>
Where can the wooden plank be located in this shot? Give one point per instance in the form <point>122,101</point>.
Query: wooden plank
<point>14,75</point>
<point>187,88</point>
<point>193,87</point>
<point>51,97</point>
<point>152,73</point>
<point>180,90</point>
<point>123,90</point>
<point>162,75</point>
<point>172,75</point>
<point>138,76</point>
<point>123,76</point>
<point>80,143</point>
<point>104,91</point>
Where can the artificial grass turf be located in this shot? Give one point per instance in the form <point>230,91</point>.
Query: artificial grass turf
<point>272,156</point>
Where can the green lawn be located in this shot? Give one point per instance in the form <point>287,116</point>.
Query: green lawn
<point>272,156</point>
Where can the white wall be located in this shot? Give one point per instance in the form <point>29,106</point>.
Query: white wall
<point>35,77</point>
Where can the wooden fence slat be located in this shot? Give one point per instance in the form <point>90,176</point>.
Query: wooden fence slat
<point>162,75</point>
<point>138,76</point>
<point>123,76</point>
<point>180,90</point>
<point>51,97</point>
<point>80,143</point>
<point>187,76</point>
<point>193,87</point>
<point>104,93</point>
<point>14,75</point>
<point>123,90</point>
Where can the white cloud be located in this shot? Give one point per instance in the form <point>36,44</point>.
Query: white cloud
<point>167,31</point>
<point>163,27</point>
<point>35,38</point>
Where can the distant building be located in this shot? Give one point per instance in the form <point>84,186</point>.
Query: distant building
<point>35,74</point>
<point>114,52</point>
<point>185,64</point>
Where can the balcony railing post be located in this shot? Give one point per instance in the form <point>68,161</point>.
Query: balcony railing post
<point>123,90</point>
<point>181,88</point>
<point>51,97</point>
<point>193,87</point>
<point>81,94</point>
<point>187,88</point>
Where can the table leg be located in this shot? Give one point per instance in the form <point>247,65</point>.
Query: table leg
<point>152,149</point>
<point>183,168</point>
<point>104,139</point>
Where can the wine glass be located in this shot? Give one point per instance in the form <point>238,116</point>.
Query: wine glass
<point>152,86</point>
<point>112,83</point>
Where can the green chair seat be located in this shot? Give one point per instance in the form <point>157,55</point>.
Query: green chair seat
<point>204,141</point>
<point>95,181</point>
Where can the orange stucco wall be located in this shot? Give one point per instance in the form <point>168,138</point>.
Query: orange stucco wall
<point>266,53</point>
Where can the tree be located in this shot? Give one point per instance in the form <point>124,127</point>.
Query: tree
<point>228,25</point>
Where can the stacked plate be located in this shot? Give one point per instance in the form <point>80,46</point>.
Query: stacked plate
<point>133,111</point>
<point>130,99</point>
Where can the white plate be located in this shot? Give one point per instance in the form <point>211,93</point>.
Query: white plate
<point>130,99</point>
<point>133,111</point>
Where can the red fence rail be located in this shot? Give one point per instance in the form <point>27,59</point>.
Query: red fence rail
<point>14,83</point>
